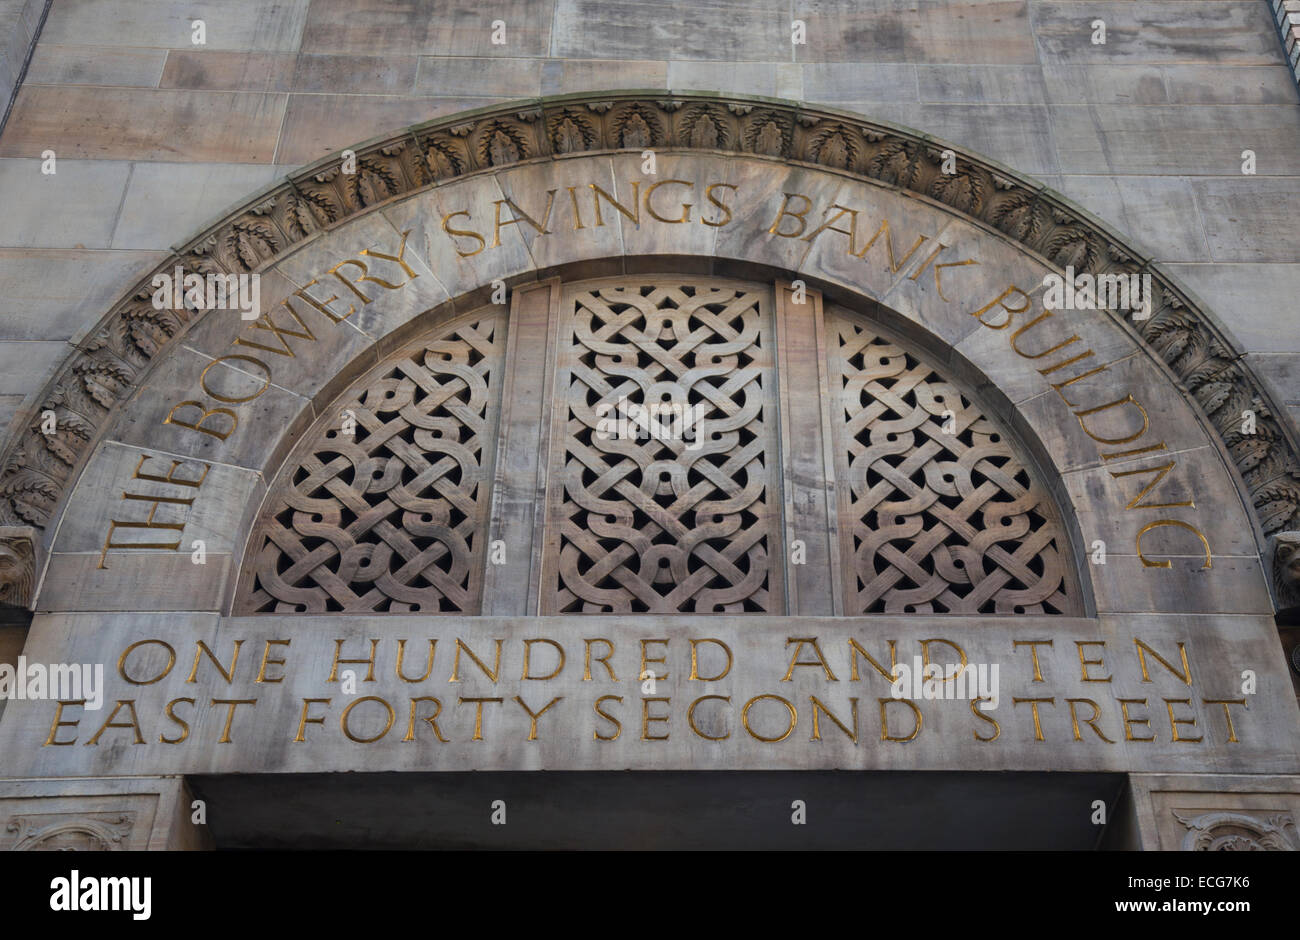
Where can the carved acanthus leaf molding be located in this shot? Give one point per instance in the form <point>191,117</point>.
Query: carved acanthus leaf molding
<point>36,467</point>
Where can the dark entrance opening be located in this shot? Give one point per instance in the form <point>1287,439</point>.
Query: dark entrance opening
<point>896,810</point>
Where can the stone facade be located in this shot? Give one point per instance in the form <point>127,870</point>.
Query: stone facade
<point>767,200</point>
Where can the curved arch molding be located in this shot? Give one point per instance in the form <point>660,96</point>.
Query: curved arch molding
<point>798,189</point>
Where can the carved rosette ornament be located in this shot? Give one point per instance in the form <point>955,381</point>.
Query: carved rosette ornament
<point>107,365</point>
<point>1238,832</point>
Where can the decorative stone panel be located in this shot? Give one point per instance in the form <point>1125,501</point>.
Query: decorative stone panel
<point>682,520</point>
<point>383,508</point>
<point>939,514</point>
<point>660,473</point>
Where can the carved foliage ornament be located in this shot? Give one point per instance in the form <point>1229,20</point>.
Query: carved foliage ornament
<point>36,468</point>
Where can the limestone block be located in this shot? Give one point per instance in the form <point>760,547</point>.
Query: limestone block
<point>45,293</point>
<point>194,191</point>
<point>1175,140</point>
<point>441,253</point>
<point>1264,325</point>
<point>1194,84</point>
<point>759,77</point>
<point>239,386</point>
<point>1234,585</point>
<point>1281,375</point>
<point>358,74</point>
<point>973,84</point>
<point>1172,32</point>
<point>74,207</point>
<point>731,30</point>
<point>654,238</point>
<point>54,64</point>
<point>237,24</point>
<point>384,308</point>
<point>1160,211</point>
<point>1076,83</point>
<point>171,581</point>
<point>311,352</point>
<point>470,77</point>
<point>1245,219</point>
<point>528,188</point>
<point>317,125</point>
<point>564,76</point>
<point>26,366</point>
<point>444,29</point>
<point>1197,476</point>
<point>193,126</point>
<point>997,33</point>
<point>214,515</point>
<point>218,70</point>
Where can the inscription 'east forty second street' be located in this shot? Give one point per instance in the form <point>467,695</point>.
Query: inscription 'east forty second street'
<point>1119,424</point>
<point>1088,692</point>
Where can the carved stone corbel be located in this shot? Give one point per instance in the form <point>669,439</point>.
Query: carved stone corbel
<point>19,546</point>
<point>1286,569</point>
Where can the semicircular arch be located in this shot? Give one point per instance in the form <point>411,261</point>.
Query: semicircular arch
<point>442,214</point>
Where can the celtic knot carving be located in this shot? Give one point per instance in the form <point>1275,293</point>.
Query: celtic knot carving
<point>942,516</point>
<point>675,515</point>
<point>389,517</point>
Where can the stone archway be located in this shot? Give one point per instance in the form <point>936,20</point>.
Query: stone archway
<point>37,466</point>
<point>184,426</point>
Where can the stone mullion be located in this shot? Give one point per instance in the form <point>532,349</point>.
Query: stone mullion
<point>810,507</point>
<point>519,487</point>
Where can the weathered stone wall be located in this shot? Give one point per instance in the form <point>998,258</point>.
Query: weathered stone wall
<point>1209,623</point>
<point>155,135</point>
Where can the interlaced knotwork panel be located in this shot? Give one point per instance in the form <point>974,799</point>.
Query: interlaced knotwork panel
<point>660,495</point>
<point>939,514</point>
<point>389,514</point>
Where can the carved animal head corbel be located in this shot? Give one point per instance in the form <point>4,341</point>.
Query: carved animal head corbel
<point>18,552</point>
